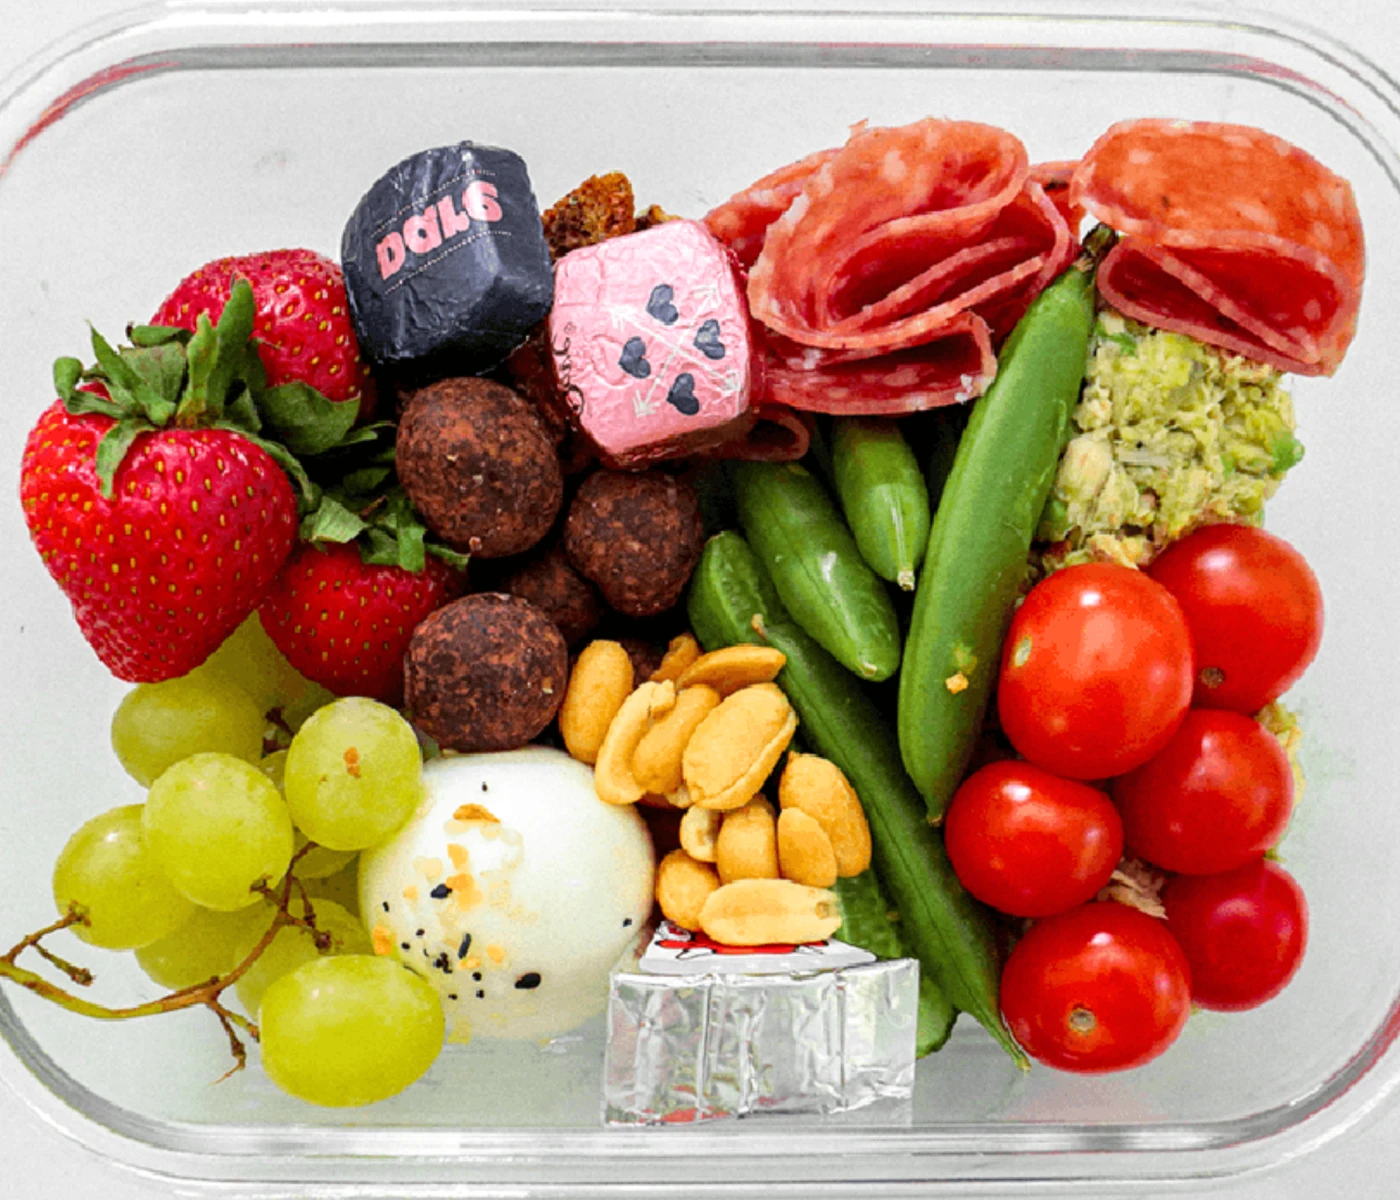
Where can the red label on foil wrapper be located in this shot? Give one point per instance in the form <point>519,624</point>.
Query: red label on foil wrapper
<point>677,951</point>
<point>650,335</point>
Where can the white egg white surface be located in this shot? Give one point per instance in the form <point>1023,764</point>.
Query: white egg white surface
<point>513,890</point>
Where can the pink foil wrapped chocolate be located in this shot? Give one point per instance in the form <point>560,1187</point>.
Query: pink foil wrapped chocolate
<point>651,343</point>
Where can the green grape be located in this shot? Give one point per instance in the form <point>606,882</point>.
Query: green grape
<point>108,869</point>
<point>249,659</point>
<point>353,774</point>
<point>218,827</point>
<point>295,944</point>
<point>209,944</point>
<point>343,887</point>
<point>316,863</point>
<point>158,724</point>
<point>349,1030</point>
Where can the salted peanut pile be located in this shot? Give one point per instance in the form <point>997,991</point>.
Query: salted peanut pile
<point>705,733</point>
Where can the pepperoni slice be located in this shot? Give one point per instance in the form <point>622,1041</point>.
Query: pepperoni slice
<point>1231,235</point>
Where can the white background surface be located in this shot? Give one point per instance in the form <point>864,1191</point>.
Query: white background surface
<point>37,1163</point>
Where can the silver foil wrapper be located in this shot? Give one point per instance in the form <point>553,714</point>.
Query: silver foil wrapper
<point>707,1046</point>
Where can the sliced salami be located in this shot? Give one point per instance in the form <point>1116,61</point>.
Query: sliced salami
<point>1055,178</point>
<point>952,368</point>
<point>742,221</point>
<point>1232,235</point>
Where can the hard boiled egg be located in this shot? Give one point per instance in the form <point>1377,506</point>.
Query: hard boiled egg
<point>513,889</point>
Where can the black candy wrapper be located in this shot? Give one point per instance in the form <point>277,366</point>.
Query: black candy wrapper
<point>446,262</point>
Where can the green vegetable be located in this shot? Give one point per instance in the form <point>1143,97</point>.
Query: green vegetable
<point>801,539</point>
<point>866,921</point>
<point>1168,434</point>
<point>977,551</point>
<point>883,495</point>
<point>732,600</point>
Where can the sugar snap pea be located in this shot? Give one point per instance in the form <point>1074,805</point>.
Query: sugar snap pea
<point>799,535</point>
<point>867,921</point>
<point>732,600</point>
<point>883,495</point>
<point>982,528</point>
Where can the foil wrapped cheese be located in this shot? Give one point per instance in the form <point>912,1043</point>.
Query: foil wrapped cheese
<point>651,343</point>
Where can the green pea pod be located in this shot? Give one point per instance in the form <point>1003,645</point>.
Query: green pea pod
<point>867,921</point>
<point>883,495</point>
<point>732,600</point>
<point>799,536</point>
<point>982,529</point>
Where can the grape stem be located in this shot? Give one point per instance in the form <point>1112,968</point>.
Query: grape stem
<point>205,994</point>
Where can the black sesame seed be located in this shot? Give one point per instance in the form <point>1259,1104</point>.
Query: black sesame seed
<point>452,995</point>
<point>476,976</point>
<point>443,963</point>
<point>405,945</point>
<point>386,906</point>
<point>465,946</point>
<point>441,892</point>
<point>626,921</point>
<point>481,995</point>
<point>483,785</point>
<point>531,979</point>
<point>420,932</point>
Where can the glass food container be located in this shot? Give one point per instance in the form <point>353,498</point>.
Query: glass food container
<point>137,149</point>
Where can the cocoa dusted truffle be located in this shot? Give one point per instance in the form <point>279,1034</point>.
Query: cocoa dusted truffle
<point>486,672</point>
<point>637,536</point>
<point>478,466</point>
<point>549,582</point>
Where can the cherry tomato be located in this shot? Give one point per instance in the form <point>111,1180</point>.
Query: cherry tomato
<point>1030,843</point>
<point>1096,671</point>
<point>1242,931</point>
<point>1254,609</point>
<point>1219,794</point>
<point>1102,987</point>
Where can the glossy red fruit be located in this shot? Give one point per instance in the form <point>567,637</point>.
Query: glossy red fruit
<point>1096,671</point>
<point>303,319</point>
<point>1243,931</point>
<point>1217,795</point>
<point>1102,987</point>
<point>345,623</point>
<point>1029,843</point>
<point>199,522</point>
<point>1254,608</point>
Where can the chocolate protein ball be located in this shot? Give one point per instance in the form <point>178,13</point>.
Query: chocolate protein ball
<point>477,464</point>
<point>486,672</point>
<point>548,581</point>
<point>637,535</point>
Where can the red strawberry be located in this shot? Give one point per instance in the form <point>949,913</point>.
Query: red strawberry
<point>303,319</point>
<point>159,574</point>
<point>345,623</point>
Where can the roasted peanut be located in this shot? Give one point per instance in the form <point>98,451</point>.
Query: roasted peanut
<point>683,885</point>
<point>733,750</point>
<point>657,761</point>
<point>804,851</point>
<point>747,844</point>
<point>699,828</point>
<point>820,789</point>
<point>601,680</point>
<point>612,773</point>
<point>680,653</point>
<point>733,667</point>
<point>757,912</point>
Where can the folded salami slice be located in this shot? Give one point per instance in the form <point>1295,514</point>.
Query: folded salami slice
<point>952,368</point>
<point>742,221</point>
<point>1231,235</point>
<point>1055,178</point>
